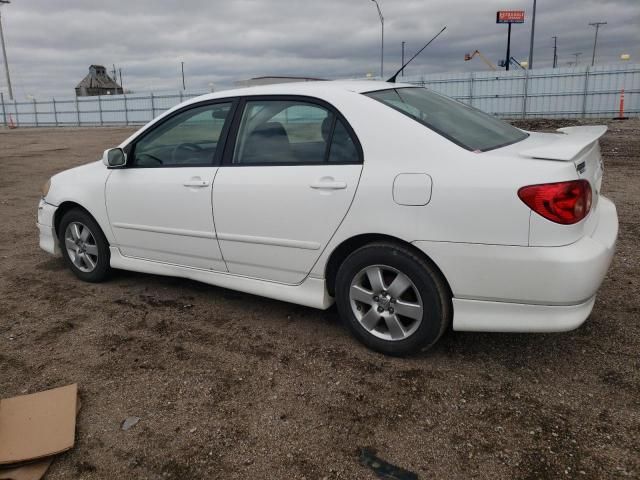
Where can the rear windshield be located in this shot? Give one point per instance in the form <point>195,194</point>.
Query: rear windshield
<point>464,125</point>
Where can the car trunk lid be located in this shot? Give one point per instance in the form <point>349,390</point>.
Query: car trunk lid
<point>576,154</point>
<point>578,145</point>
<point>567,145</point>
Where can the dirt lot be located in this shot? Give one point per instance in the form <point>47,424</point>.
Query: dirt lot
<point>232,386</point>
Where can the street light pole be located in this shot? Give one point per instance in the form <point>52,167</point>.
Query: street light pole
<point>4,54</point>
<point>402,64</point>
<point>555,52</point>
<point>533,28</point>
<point>382,41</point>
<point>595,41</point>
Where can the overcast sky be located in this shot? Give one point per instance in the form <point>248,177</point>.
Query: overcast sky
<point>50,43</point>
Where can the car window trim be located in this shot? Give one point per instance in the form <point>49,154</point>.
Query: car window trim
<point>222,140</point>
<point>332,129</point>
<point>227,159</point>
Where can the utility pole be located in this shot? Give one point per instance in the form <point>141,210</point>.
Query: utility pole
<point>382,42</point>
<point>555,52</point>
<point>595,41</point>
<point>508,61</point>
<point>576,54</point>
<point>4,54</point>
<point>402,64</point>
<point>121,85</point>
<point>533,29</point>
<point>182,67</point>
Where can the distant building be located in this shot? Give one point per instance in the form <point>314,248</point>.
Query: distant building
<point>97,82</point>
<point>269,80</point>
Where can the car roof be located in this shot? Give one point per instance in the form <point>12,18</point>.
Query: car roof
<point>312,88</point>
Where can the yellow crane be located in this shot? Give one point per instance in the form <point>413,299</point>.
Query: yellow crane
<point>469,56</point>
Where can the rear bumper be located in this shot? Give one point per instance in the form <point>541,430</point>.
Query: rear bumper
<point>48,240</point>
<point>531,288</point>
<point>481,316</point>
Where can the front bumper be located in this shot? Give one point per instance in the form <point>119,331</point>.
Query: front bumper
<point>48,239</point>
<point>527,289</point>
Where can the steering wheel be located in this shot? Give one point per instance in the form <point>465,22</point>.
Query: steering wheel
<point>191,147</point>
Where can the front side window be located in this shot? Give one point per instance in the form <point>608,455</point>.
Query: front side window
<point>460,123</point>
<point>190,138</point>
<point>291,132</point>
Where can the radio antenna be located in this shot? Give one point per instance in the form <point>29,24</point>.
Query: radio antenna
<point>393,79</point>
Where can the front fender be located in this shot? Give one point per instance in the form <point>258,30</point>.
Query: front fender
<point>83,186</point>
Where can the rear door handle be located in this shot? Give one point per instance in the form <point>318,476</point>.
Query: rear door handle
<point>328,184</point>
<point>196,182</point>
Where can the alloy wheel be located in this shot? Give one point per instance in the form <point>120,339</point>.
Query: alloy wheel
<point>81,247</point>
<point>386,302</point>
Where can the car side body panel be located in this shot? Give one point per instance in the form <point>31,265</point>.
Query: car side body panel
<point>154,216</point>
<point>273,222</point>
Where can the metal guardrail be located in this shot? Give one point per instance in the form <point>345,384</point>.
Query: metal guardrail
<point>578,92</point>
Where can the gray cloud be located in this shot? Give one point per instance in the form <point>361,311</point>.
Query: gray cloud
<point>51,44</point>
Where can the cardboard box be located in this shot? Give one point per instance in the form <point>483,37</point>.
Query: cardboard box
<point>38,425</point>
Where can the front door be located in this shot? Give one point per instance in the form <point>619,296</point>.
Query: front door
<point>284,187</point>
<point>159,206</point>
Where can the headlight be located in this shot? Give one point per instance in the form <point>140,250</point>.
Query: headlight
<point>45,188</point>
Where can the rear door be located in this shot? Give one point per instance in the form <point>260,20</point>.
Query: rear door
<point>159,206</point>
<point>285,185</point>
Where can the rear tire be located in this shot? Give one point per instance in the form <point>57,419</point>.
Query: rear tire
<point>392,300</point>
<point>84,247</point>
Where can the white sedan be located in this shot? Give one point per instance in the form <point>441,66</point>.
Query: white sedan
<point>411,211</point>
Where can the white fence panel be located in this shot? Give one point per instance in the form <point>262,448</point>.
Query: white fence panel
<point>549,92</point>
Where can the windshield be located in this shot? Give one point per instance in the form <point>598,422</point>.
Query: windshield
<point>463,125</point>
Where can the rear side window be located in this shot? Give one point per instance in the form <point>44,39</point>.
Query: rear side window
<point>460,123</point>
<point>292,132</point>
<point>343,149</point>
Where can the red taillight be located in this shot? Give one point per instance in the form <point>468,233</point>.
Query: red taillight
<point>562,202</point>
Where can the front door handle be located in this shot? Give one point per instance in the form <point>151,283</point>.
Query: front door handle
<point>328,183</point>
<point>196,182</point>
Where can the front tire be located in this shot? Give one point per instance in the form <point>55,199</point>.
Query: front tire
<point>84,247</point>
<point>392,300</point>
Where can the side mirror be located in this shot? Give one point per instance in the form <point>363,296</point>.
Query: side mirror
<point>114,158</point>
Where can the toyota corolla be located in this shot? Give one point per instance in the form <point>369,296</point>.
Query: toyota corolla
<point>409,210</point>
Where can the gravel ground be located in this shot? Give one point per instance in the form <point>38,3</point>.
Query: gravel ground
<point>228,385</point>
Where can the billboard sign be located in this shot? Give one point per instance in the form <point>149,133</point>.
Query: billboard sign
<point>510,16</point>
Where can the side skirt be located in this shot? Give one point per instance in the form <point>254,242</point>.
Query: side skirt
<point>310,293</point>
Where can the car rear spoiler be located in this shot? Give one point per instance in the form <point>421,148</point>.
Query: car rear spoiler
<point>570,143</point>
